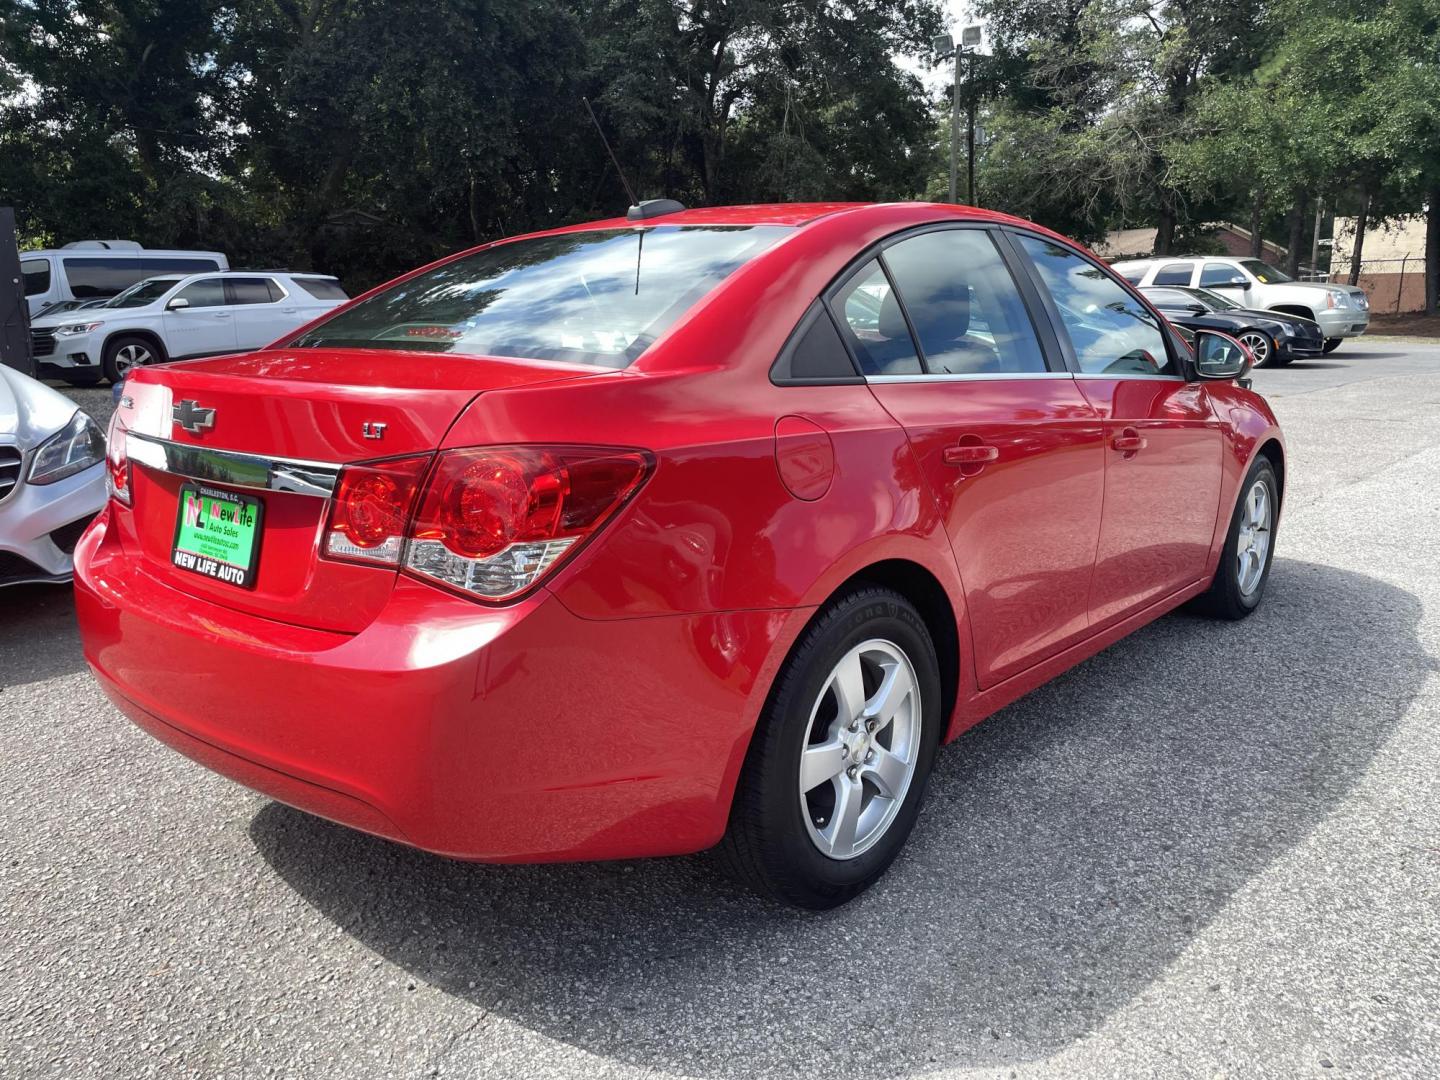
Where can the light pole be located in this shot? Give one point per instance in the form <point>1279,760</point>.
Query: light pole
<point>944,46</point>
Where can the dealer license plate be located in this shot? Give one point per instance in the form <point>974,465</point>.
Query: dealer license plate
<point>217,534</point>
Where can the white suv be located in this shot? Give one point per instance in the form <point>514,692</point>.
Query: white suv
<point>176,317</point>
<point>1341,310</point>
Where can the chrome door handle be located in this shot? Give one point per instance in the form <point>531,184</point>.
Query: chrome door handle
<point>222,315</point>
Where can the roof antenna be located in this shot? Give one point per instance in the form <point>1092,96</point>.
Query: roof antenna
<point>639,211</point>
<point>613,159</point>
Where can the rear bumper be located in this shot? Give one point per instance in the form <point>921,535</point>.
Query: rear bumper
<point>500,734</point>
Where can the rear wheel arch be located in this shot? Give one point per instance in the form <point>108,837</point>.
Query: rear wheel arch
<point>923,589</point>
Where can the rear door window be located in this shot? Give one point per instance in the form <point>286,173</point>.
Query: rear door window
<point>251,291</point>
<point>1111,331</point>
<point>874,324</point>
<point>1175,273</point>
<point>36,273</point>
<point>966,308</point>
<point>598,296</point>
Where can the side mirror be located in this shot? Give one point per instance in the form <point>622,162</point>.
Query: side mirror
<point>1220,357</point>
<point>1196,309</point>
<point>1239,281</point>
<point>176,304</point>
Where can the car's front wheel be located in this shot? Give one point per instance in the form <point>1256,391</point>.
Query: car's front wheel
<point>1332,343</point>
<point>124,353</point>
<point>1244,568</point>
<point>1260,346</point>
<point>838,763</point>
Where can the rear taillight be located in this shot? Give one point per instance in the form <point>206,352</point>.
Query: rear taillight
<point>371,508</point>
<point>117,463</point>
<point>494,520</point>
<point>490,521</point>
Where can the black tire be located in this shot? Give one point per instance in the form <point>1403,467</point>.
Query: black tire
<point>1226,598</point>
<point>138,351</point>
<point>1331,344</point>
<point>768,845</point>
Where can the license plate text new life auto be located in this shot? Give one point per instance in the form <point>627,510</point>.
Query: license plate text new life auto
<point>217,534</point>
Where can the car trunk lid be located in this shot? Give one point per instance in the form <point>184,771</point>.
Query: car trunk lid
<point>276,426</point>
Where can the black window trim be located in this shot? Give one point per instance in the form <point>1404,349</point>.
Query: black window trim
<point>816,311</point>
<point>1067,347</point>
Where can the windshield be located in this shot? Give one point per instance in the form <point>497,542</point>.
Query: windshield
<point>596,297</point>
<point>1265,273</point>
<point>1214,299</point>
<point>141,293</point>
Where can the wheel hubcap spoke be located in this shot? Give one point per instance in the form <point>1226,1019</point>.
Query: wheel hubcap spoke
<point>848,682</point>
<point>821,763</point>
<point>849,797</point>
<point>894,692</point>
<point>888,772</point>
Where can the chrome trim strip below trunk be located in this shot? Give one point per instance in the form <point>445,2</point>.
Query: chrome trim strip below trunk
<point>232,468</point>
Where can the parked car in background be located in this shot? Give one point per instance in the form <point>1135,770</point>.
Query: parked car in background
<point>1342,311</point>
<point>175,317</point>
<point>682,529</point>
<point>51,480</point>
<point>100,269</point>
<point>1273,338</point>
<point>62,306</point>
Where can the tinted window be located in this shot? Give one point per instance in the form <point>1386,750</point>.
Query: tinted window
<point>37,276</point>
<point>1218,274</point>
<point>321,288</point>
<point>207,292</point>
<point>1112,332</point>
<point>1174,274</point>
<point>964,304</point>
<point>276,293</point>
<point>816,352</point>
<point>94,277</point>
<point>249,290</point>
<point>1133,276</point>
<point>176,265</point>
<point>875,325</point>
<point>599,296</point>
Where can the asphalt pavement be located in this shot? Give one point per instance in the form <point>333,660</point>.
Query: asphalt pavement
<point>1212,850</point>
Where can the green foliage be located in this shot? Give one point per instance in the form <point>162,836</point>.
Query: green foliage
<point>365,136</point>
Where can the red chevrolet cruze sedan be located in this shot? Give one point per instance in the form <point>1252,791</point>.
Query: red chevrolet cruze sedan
<point>695,527</point>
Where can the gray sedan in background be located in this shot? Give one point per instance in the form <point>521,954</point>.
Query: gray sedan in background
<point>52,479</point>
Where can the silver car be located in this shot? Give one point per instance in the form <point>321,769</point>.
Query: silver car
<point>52,479</point>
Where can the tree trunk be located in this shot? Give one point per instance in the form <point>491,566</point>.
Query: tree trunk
<point>1257,209</point>
<point>1361,224</point>
<point>1432,252</point>
<point>1299,215</point>
<point>1165,231</point>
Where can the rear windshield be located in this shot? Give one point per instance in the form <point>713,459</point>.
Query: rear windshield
<point>321,288</point>
<point>596,297</point>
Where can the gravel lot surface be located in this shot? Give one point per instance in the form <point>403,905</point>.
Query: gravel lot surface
<point>1213,850</point>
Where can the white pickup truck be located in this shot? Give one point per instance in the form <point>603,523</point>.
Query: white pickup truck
<point>1341,310</point>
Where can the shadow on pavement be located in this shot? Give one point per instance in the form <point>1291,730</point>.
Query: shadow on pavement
<point>38,635</point>
<point>1071,847</point>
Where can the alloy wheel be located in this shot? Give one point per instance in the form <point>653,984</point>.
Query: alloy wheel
<point>131,356</point>
<point>1259,346</point>
<point>1253,544</point>
<point>862,749</point>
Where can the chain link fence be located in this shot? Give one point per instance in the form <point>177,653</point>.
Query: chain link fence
<point>1394,286</point>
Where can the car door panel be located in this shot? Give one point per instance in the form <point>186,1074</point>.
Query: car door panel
<point>204,327</point>
<point>1160,497</point>
<point>1011,451</point>
<point>1162,438</point>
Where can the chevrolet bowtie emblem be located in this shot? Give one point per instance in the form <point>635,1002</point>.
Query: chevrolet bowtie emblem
<point>190,416</point>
